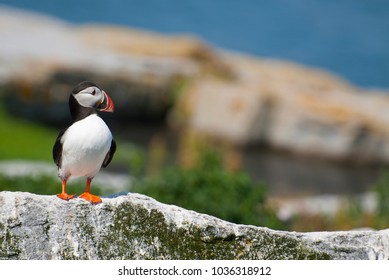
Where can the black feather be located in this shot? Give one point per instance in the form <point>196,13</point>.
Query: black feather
<point>83,85</point>
<point>77,111</point>
<point>57,149</point>
<point>110,154</point>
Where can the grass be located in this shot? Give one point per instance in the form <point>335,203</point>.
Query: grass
<point>22,139</point>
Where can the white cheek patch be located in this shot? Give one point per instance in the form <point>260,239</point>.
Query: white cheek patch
<point>87,99</point>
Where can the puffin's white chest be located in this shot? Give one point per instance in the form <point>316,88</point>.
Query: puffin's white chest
<point>84,147</point>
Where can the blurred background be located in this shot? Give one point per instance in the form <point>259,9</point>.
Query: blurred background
<point>271,113</point>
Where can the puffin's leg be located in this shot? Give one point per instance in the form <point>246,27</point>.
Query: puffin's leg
<point>63,195</point>
<point>88,196</point>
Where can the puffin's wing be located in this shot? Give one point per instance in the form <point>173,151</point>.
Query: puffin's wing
<point>110,154</point>
<point>57,149</point>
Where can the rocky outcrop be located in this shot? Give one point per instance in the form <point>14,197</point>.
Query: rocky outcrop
<point>241,99</point>
<point>293,108</point>
<point>133,226</point>
<point>42,58</point>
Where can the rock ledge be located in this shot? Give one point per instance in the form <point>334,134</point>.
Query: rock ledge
<point>134,226</point>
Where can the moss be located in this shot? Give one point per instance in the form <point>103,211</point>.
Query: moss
<point>282,247</point>
<point>137,233</point>
<point>9,244</point>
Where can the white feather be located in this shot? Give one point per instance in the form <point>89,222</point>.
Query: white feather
<point>86,98</point>
<point>84,147</point>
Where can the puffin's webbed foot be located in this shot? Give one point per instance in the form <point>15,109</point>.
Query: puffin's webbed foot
<point>66,196</point>
<point>63,195</point>
<point>94,199</point>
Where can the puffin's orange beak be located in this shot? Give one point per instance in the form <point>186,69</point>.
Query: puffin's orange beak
<point>106,103</point>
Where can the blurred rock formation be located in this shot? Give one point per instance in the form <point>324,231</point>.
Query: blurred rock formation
<point>188,83</point>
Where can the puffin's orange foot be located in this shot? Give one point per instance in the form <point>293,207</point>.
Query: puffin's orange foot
<point>94,199</point>
<point>65,196</point>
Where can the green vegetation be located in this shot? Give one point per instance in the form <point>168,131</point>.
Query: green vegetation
<point>21,139</point>
<point>34,184</point>
<point>382,190</point>
<point>208,187</point>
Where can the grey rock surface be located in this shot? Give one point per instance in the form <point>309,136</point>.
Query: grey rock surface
<point>133,226</point>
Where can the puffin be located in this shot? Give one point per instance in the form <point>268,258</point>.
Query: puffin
<point>86,144</point>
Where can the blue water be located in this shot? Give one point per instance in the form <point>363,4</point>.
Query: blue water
<point>348,37</point>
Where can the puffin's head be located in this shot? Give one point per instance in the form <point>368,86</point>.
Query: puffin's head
<point>88,94</point>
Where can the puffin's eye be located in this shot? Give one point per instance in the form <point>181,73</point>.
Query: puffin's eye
<point>94,92</point>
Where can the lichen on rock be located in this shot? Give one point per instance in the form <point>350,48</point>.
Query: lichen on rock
<point>134,226</point>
